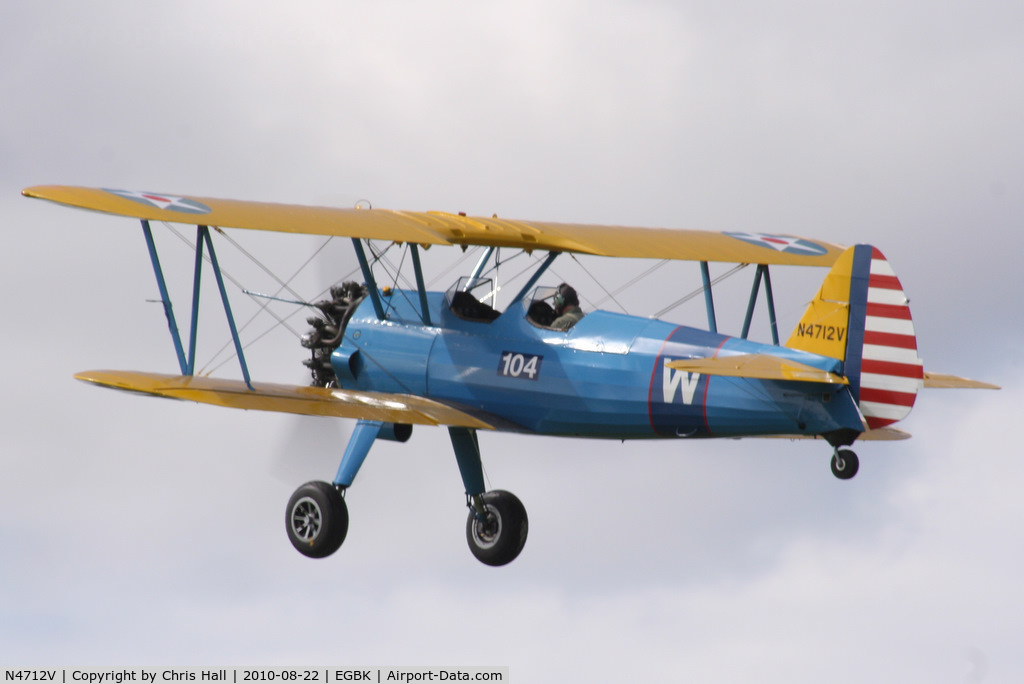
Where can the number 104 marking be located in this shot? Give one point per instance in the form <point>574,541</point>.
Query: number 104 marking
<point>516,365</point>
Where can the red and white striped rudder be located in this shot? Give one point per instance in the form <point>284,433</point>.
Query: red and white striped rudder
<point>861,316</point>
<point>890,372</point>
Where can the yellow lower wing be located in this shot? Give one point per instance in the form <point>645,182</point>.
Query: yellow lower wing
<point>310,401</point>
<point>759,366</point>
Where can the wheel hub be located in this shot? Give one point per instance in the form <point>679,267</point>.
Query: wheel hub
<point>306,519</point>
<point>485,533</point>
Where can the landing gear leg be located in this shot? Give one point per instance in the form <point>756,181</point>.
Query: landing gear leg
<point>317,518</point>
<point>845,464</point>
<point>497,525</point>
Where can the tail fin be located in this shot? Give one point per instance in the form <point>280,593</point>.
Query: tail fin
<point>861,316</point>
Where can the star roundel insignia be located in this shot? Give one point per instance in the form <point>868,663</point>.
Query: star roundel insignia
<point>181,205</point>
<point>781,243</point>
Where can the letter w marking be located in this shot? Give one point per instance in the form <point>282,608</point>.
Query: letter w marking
<point>677,380</point>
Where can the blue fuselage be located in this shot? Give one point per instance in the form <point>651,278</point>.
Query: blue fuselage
<point>606,377</point>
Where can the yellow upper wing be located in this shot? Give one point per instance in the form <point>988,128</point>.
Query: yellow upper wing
<point>438,228</point>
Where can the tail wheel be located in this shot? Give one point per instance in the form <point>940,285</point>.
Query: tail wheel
<point>501,535</point>
<point>316,519</point>
<point>845,464</point>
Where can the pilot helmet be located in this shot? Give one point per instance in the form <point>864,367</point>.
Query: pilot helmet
<point>566,296</point>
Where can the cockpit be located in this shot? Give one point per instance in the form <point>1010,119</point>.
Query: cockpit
<point>542,310</point>
<point>468,298</point>
<point>474,299</point>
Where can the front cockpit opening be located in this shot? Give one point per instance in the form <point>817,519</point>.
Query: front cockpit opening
<point>468,299</point>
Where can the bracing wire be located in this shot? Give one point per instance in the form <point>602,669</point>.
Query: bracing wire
<point>699,290</point>
<point>380,257</point>
<point>230,278</point>
<point>608,294</point>
<point>271,328</point>
<point>498,263</point>
<point>458,262</point>
<point>405,290</point>
<point>284,285</point>
<point>582,297</point>
<point>634,281</point>
<point>532,264</point>
<point>264,304</point>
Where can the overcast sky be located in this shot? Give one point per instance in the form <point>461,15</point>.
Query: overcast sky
<point>135,531</point>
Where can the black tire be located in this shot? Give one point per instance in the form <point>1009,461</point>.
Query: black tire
<point>316,519</point>
<point>499,539</point>
<point>845,464</point>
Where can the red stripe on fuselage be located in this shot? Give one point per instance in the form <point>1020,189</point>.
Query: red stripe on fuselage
<point>707,384</point>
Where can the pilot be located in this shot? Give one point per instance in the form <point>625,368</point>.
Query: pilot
<point>567,307</point>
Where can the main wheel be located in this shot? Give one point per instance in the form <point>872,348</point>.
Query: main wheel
<point>498,539</point>
<point>316,519</point>
<point>845,464</point>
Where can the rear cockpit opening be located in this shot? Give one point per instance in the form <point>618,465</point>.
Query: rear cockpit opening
<point>541,311</point>
<point>555,308</point>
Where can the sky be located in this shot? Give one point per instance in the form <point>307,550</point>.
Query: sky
<point>135,531</point>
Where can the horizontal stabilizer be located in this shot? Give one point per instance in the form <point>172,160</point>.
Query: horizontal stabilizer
<point>759,366</point>
<point>309,401</point>
<point>955,382</point>
<point>882,434</point>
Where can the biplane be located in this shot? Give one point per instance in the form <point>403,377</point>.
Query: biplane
<point>394,357</point>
